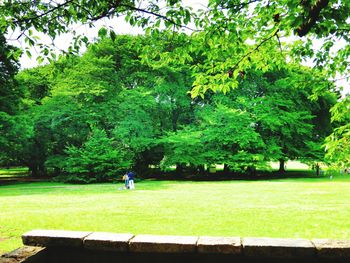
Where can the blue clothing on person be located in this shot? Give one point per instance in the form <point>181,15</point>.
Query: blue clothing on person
<point>131,175</point>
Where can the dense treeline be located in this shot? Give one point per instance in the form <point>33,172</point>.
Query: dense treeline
<point>89,118</point>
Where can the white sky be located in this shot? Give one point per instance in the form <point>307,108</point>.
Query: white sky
<point>63,41</point>
<point>121,27</point>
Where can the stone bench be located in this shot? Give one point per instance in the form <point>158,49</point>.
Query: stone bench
<point>75,246</point>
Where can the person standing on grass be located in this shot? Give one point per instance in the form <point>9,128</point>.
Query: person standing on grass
<point>131,176</point>
<point>126,180</point>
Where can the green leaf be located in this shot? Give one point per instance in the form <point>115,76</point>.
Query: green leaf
<point>112,35</point>
<point>28,53</point>
<point>102,32</point>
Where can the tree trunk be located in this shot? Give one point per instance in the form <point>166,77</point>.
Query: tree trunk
<point>141,168</point>
<point>56,171</point>
<point>33,170</point>
<point>226,168</point>
<point>201,169</point>
<point>174,118</point>
<point>37,170</point>
<point>282,165</point>
<point>317,169</point>
<point>179,168</point>
<point>251,170</point>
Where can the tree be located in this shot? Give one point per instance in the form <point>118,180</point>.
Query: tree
<point>10,94</point>
<point>59,122</point>
<point>338,143</point>
<point>137,127</point>
<point>15,135</point>
<point>237,35</point>
<point>10,97</point>
<point>36,83</point>
<point>108,88</point>
<point>219,135</point>
<point>230,138</point>
<point>183,148</point>
<point>153,99</point>
<point>99,159</point>
<point>149,112</point>
<point>291,124</point>
<point>223,22</point>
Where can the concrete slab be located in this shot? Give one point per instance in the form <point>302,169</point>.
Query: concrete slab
<point>47,238</point>
<point>329,248</point>
<point>163,244</point>
<point>220,245</point>
<point>108,241</point>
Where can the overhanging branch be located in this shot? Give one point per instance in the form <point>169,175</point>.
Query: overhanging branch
<point>255,49</point>
<point>29,19</point>
<point>311,20</point>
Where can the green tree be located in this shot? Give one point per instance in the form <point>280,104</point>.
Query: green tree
<point>59,122</point>
<point>223,24</point>
<point>291,123</point>
<point>100,158</point>
<point>220,135</point>
<point>230,138</point>
<point>183,148</point>
<point>10,94</point>
<point>231,36</point>
<point>36,83</point>
<point>137,126</point>
<point>10,98</point>
<point>338,143</point>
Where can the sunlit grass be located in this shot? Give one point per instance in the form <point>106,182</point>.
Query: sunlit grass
<point>305,208</point>
<point>13,171</point>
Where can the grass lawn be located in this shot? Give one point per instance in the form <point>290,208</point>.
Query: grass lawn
<point>305,208</point>
<point>13,172</point>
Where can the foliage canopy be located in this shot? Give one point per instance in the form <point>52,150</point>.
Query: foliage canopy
<point>225,46</point>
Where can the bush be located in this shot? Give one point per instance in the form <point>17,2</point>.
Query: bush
<point>98,160</point>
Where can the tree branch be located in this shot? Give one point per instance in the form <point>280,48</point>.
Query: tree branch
<point>253,50</point>
<point>157,15</point>
<point>312,18</point>
<point>28,19</point>
<point>279,42</point>
<point>239,6</point>
<point>342,78</point>
<point>117,4</point>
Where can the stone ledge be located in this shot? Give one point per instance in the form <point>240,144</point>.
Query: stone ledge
<point>225,246</point>
<point>278,247</point>
<point>329,248</point>
<point>108,241</point>
<point>220,245</point>
<point>20,254</point>
<point>163,244</point>
<point>47,238</point>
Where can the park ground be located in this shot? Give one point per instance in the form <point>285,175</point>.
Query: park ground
<point>294,208</point>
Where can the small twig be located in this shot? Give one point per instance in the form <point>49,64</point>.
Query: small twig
<point>158,15</point>
<point>20,35</point>
<point>43,14</point>
<point>335,80</point>
<point>256,48</point>
<point>279,42</point>
<point>238,7</point>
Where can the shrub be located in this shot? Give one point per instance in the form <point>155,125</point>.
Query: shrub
<point>99,159</point>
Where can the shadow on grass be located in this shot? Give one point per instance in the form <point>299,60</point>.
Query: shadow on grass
<point>302,176</point>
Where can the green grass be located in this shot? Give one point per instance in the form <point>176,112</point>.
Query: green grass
<point>13,172</point>
<point>305,208</point>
